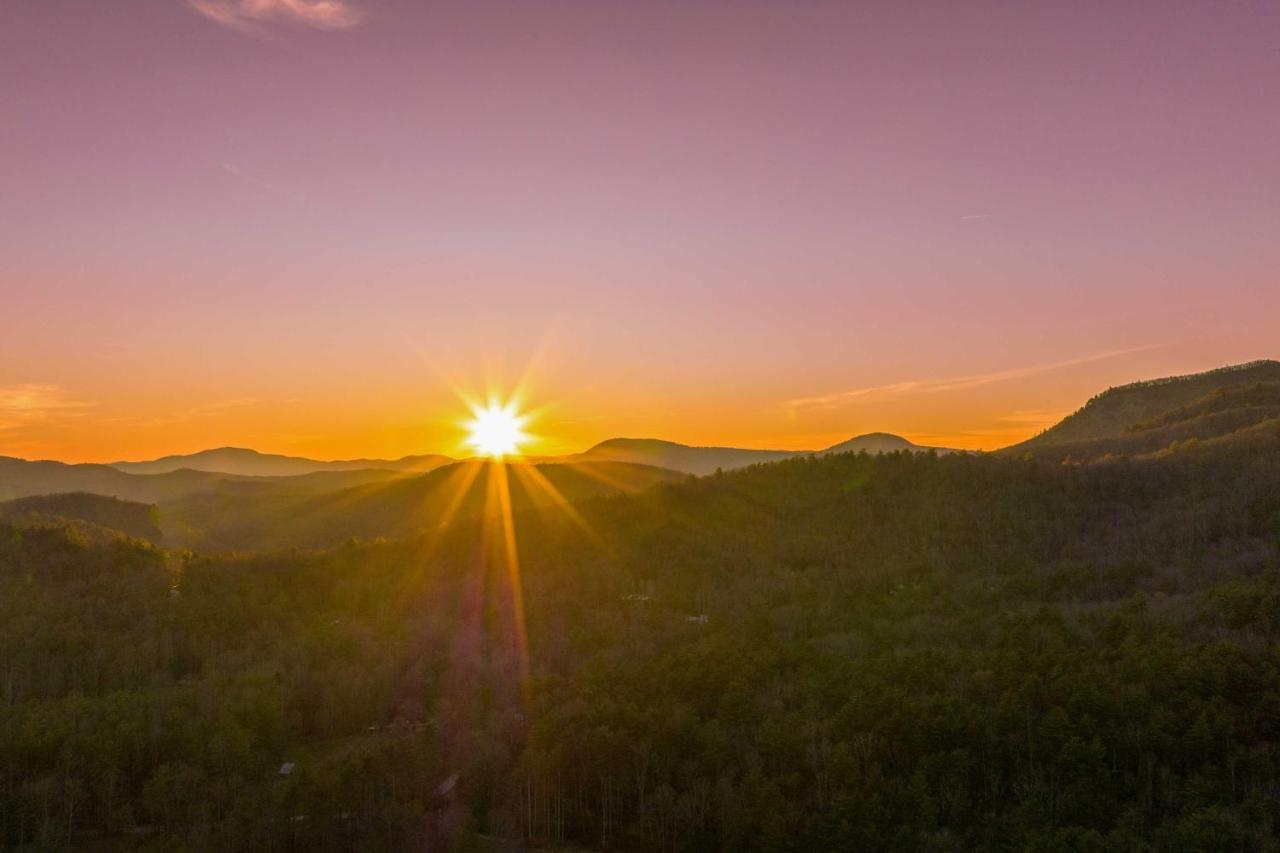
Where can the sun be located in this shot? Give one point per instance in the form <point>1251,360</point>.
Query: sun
<point>496,430</point>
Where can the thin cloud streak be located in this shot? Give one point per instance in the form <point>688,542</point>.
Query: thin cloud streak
<point>878,393</point>
<point>248,16</point>
<point>240,174</point>
<point>35,401</point>
<point>28,404</point>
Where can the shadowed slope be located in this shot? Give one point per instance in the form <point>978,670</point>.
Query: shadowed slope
<point>134,519</point>
<point>19,478</point>
<point>242,518</point>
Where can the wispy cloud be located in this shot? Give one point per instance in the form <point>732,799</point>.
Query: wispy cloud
<point>240,174</point>
<point>250,16</point>
<point>878,393</point>
<point>33,404</point>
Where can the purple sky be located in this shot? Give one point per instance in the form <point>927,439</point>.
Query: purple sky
<point>274,222</point>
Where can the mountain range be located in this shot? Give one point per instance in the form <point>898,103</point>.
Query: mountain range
<point>171,477</point>
<point>251,463</point>
<point>235,498</point>
<point>20,477</point>
<point>1065,645</point>
<point>705,460</point>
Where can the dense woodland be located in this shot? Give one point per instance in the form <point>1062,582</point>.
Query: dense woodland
<point>901,652</point>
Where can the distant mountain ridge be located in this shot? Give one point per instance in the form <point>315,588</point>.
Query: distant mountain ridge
<point>677,457</point>
<point>705,460</point>
<point>1140,417</point>
<point>686,459</point>
<point>21,477</point>
<point>880,442</point>
<point>288,501</point>
<point>218,469</point>
<point>245,462</point>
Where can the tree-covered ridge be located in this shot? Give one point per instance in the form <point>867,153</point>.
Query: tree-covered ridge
<point>1258,398</point>
<point>1113,413</point>
<point>127,517</point>
<point>899,652</point>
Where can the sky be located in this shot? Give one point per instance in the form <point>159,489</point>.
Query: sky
<point>305,226</point>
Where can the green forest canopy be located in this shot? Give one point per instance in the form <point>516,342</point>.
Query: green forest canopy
<point>906,652</point>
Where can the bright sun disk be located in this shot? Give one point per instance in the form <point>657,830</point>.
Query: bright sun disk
<point>496,430</point>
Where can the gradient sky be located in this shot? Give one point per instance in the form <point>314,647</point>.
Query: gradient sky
<point>293,224</point>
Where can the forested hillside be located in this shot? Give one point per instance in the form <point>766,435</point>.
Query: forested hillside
<point>113,514</point>
<point>1111,419</point>
<point>898,652</point>
<point>255,517</point>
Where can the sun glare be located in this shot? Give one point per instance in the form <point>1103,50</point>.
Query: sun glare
<point>496,430</point>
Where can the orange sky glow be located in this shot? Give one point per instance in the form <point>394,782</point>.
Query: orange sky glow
<point>313,229</point>
<point>410,408</point>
